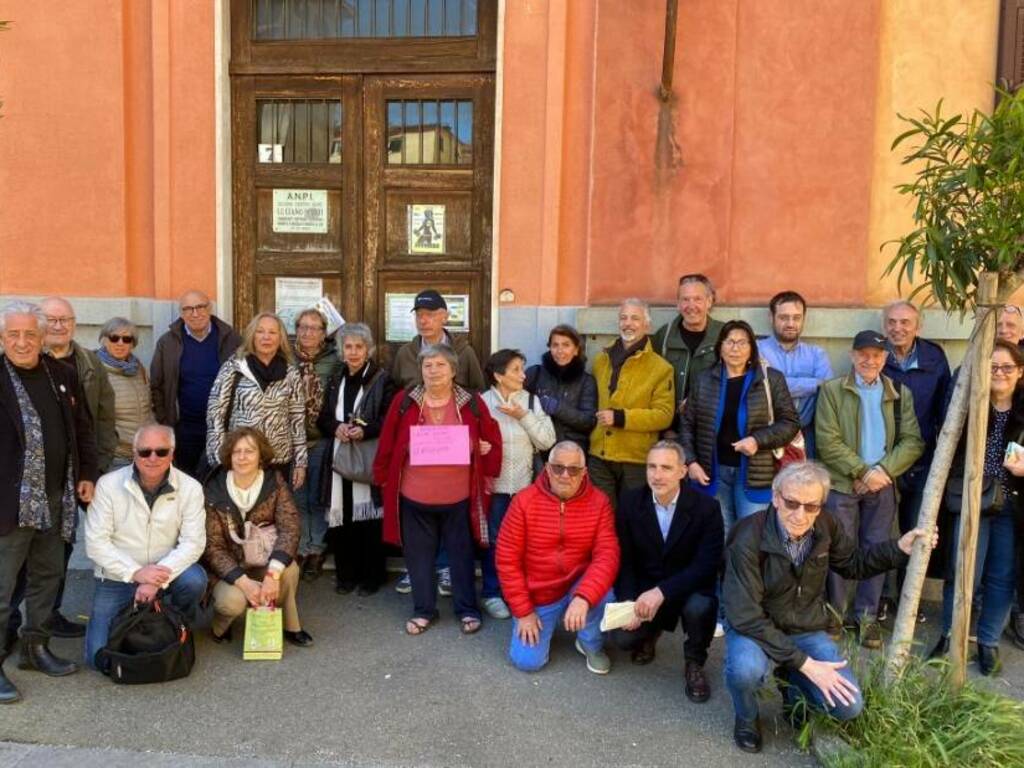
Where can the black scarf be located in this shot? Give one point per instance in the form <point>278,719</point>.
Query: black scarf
<point>618,354</point>
<point>564,373</point>
<point>266,375</point>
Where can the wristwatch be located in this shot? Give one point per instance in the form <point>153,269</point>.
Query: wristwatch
<point>275,575</point>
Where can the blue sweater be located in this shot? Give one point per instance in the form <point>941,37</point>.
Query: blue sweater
<point>196,372</point>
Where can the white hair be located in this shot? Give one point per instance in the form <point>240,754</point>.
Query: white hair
<point>23,308</point>
<point>168,432</point>
<point>639,304</point>
<point>888,308</point>
<point>567,445</point>
<point>803,473</point>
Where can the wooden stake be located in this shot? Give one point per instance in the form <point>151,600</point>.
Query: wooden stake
<point>970,515</point>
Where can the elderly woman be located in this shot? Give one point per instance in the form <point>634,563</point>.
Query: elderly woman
<point>246,494</point>
<point>317,363</point>
<point>567,393</point>
<point>995,569</point>
<point>437,446</point>
<point>525,430</point>
<point>727,432</point>
<point>260,387</point>
<point>356,401</point>
<point>132,405</point>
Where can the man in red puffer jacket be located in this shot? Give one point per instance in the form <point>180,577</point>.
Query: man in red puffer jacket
<point>557,558</point>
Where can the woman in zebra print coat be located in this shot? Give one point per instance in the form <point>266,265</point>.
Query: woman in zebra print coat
<point>261,387</point>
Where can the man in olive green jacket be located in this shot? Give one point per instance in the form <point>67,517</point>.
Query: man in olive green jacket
<point>867,437</point>
<point>688,341</point>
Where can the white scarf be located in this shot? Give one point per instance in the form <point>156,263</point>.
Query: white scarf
<point>363,507</point>
<point>245,498</point>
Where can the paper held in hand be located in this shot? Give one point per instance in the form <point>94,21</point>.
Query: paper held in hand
<point>618,615</point>
<point>445,445</point>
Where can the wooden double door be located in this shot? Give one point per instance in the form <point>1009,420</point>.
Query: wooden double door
<point>365,186</point>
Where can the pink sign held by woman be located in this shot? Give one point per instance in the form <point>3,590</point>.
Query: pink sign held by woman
<point>445,445</point>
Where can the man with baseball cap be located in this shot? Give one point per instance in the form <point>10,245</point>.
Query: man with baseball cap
<point>431,315</point>
<point>867,436</point>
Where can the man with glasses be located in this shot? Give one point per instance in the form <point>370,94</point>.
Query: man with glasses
<point>185,363</point>
<point>671,541</point>
<point>868,437</point>
<point>145,533</point>
<point>557,556</point>
<point>1010,325</point>
<point>774,594</point>
<point>47,459</point>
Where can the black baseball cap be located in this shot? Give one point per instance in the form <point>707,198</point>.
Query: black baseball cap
<point>429,299</point>
<point>869,340</point>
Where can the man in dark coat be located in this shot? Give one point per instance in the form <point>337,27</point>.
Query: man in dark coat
<point>47,459</point>
<point>185,363</point>
<point>671,543</point>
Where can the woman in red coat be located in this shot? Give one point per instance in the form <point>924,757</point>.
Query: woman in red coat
<point>439,449</point>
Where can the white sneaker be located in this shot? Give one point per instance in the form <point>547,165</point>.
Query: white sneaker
<point>597,661</point>
<point>719,630</point>
<point>404,585</point>
<point>496,608</point>
<point>444,582</point>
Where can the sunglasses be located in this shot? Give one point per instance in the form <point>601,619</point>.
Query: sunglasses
<point>145,453</point>
<point>793,505</point>
<point>562,469</point>
<point>118,339</point>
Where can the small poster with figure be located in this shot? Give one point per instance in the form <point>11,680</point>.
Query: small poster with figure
<point>426,228</point>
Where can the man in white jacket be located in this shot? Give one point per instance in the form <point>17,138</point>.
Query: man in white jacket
<point>145,532</point>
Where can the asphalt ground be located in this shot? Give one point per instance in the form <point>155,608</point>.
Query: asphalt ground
<point>369,695</point>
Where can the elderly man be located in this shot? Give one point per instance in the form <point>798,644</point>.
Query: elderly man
<point>145,533</point>
<point>431,316</point>
<point>185,363</point>
<point>688,342</point>
<point>635,400</point>
<point>867,438</point>
<point>1010,325</point>
<point>671,540</point>
<point>920,366</point>
<point>47,457</point>
<point>805,366</point>
<point>557,557</point>
<point>774,595</point>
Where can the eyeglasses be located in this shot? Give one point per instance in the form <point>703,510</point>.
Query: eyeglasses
<point>564,469</point>
<point>1005,369</point>
<point>195,309</point>
<point>118,339</point>
<point>736,343</point>
<point>1013,308</point>
<point>145,453</point>
<point>312,329</point>
<point>793,505</point>
<point>54,322</point>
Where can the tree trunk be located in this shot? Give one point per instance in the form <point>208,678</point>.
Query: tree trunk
<point>970,514</point>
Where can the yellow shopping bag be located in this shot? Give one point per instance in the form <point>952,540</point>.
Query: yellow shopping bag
<point>264,636</point>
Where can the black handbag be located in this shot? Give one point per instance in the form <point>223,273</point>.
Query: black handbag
<point>148,643</point>
<point>993,497</point>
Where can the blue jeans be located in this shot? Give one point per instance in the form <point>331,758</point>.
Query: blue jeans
<point>531,659</point>
<point>110,597</point>
<point>489,586</point>
<point>732,497</point>
<point>994,575</point>
<point>747,668</point>
<point>312,515</point>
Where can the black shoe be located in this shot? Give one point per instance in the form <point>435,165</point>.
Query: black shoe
<point>302,638</point>
<point>645,652</point>
<point>747,735</point>
<point>312,567</point>
<point>8,693</point>
<point>697,688</point>
<point>35,655</point>
<point>60,626</point>
<point>988,659</point>
<point>365,590</point>
<point>225,638</point>
<point>941,648</point>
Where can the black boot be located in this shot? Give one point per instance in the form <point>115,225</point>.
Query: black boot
<point>35,655</point>
<point>59,625</point>
<point>941,648</point>
<point>747,735</point>
<point>988,659</point>
<point>8,693</point>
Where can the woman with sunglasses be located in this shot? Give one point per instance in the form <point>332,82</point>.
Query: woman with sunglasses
<point>994,568</point>
<point>132,404</point>
<point>727,432</point>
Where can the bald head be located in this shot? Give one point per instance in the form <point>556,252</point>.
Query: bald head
<point>196,310</point>
<point>60,325</point>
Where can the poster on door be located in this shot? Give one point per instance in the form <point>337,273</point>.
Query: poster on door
<point>300,210</point>
<point>426,228</point>
<point>292,295</point>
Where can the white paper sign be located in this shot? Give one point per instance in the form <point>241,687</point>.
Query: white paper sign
<point>400,323</point>
<point>271,153</point>
<point>300,210</point>
<point>294,294</point>
<point>426,228</point>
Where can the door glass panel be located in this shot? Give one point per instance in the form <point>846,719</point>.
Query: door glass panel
<point>300,131</point>
<point>422,132</point>
<point>334,19</point>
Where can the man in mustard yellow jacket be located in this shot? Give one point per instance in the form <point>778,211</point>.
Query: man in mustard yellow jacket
<point>635,401</point>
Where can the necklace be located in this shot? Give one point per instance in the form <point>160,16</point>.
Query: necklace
<point>436,413</point>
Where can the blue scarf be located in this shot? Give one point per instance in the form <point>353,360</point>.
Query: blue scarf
<point>129,367</point>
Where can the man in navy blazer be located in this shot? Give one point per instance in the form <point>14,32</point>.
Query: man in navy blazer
<point>671,539</point>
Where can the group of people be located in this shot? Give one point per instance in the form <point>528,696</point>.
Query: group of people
<point>672,474</point>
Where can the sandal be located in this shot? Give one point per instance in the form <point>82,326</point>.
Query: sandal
<point>417,625</point>
<point>469,625</point>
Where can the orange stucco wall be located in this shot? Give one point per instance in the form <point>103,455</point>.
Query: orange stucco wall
<point>107,148</point>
